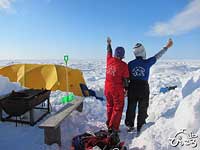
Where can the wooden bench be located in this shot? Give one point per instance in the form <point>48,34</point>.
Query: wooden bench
<point>51,126</point>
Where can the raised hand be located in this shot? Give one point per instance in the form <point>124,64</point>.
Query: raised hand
<point>169,43</point>
<point>108,40</point>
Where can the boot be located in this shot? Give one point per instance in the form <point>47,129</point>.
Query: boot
<point>114,137</point>
<point>130,129</point>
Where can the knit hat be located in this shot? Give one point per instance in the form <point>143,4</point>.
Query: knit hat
<point>119,52</point>
<point>139,51</point>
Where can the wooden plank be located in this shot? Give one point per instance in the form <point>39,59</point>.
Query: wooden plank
<point>55,120</point>
<point>52,136</point>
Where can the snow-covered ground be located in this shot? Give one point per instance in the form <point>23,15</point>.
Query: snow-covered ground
<point>168,113</point>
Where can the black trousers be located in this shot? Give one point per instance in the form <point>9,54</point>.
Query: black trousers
<point>138,94</point>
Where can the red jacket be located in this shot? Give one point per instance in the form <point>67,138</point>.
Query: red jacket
<point>116,71</point>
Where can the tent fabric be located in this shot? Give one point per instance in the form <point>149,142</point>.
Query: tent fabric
<point>46,76</point>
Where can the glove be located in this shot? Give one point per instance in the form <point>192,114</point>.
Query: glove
<point>108,40</point>
<point>169,43</point>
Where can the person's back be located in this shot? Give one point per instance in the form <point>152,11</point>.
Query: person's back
<point>138,91</point>
<point>139,68</point>
<point>117,75</point>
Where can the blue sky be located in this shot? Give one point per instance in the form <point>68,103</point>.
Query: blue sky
<point>48,29</point>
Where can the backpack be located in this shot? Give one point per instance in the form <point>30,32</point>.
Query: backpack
<point>101,140</point>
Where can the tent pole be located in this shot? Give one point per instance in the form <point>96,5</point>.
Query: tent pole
<point>66,58</point>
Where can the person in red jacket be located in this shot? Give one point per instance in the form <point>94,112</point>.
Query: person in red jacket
<point>116,83</point>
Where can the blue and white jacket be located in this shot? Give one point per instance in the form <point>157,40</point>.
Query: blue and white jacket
<point>139,68</point>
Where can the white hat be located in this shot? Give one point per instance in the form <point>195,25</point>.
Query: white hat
<point>139,51</point>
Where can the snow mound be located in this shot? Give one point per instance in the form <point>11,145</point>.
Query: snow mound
<point>6,86</point>
<point>192,83</point>
<point>188,112</point>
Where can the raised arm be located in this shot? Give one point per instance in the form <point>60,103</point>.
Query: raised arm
<point>109,48</point>
<point>162,51</point>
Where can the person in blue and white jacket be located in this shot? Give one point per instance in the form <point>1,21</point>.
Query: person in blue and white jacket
<point>138,90</point>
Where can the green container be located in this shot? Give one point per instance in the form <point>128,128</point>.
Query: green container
<point>67,98</point>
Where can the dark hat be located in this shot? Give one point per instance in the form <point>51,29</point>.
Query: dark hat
<point>119,52</point>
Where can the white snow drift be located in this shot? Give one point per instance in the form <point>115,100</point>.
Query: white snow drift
<point>168,113</point>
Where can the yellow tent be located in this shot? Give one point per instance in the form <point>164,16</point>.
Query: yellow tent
<point>51,77</point>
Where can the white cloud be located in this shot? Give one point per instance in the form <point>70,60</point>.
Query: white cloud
<point>183,22</point>
<point>5,4</point>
